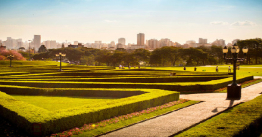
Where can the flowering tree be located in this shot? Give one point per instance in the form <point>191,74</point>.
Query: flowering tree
<point>4,53</point>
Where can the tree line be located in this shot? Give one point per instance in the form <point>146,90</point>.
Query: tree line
<point>165,56</point>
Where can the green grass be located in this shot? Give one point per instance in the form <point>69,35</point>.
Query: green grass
<point>229,123</point>
<point>56,103</point>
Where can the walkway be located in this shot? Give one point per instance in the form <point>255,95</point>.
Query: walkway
<point>176,121</point>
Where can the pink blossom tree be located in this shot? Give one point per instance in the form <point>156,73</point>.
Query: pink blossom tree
<point>4,53</point>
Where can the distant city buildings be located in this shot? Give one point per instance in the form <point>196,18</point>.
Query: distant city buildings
<point>153,44</point>
<point>202,41</point>
<point>219,42</point>
<point>150,44</point>
<point>122,41</point>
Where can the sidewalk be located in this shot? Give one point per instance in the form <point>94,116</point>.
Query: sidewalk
<point>176,121</point>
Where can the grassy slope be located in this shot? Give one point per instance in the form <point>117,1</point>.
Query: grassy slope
<point>56,103</point>
<point>229,123</point>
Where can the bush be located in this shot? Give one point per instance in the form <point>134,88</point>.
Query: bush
<point>46,122</point>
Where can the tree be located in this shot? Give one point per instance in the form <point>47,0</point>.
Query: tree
<point>216,52</point>
<point>254,48</point>
<point>141,55</point>
<point>42,49</point>
<point>117,58</point>
<point>103,56</point>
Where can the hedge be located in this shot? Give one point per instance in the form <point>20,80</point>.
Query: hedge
<point>127,79</point>
<point>83,92</point>
<point>184,86</point>
<point>38,121</point>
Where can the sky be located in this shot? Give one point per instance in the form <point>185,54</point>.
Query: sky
<point>87,21</point>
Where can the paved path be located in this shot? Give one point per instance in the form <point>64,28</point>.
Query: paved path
<point>176,121</point>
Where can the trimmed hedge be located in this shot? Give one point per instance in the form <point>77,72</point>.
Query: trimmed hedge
<point>135,80</point>
<point>22,90</point>
<point>185,86</point>
<point>38,121</point>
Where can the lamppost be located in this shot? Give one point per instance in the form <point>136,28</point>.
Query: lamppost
<point>234,89</point>
<point>10,57</point>
<point>29,50</point>
<point>60,55</point>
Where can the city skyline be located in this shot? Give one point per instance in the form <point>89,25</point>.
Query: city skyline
<point>87,20</point>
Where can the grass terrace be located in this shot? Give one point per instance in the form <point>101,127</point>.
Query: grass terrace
<point>40,99</point>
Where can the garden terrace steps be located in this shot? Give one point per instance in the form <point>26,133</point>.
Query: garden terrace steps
<point>174,122</point>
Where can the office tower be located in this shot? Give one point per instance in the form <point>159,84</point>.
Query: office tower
<point>19,43</point>
<point>9,42</point>
<point>122,41</point>
<point>153,44</point>
<point>165,42</point>
<point>37,41</point>
<point>47,44</point>
<point>202,41</point>
<point>141,39</point>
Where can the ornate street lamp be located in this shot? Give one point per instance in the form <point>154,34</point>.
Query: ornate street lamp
<point>60,55</point>
<point>10,57</point>
<point>234,89</point>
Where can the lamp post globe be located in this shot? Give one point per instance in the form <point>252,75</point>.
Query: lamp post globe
<point>60,55</point>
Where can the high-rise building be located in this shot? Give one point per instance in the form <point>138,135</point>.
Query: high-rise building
<point>47,44</point>
<point>122,41</point>
<point>202,41</point>
<point>153,44</point>
<point>37,41</point>
<point>165,42</point>
<point>140,39</point>
<point>9,43</point>
<point>113,44</point>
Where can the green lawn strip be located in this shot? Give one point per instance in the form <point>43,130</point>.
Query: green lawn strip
<point>56,103</point>
<point>244,84</point>
<point>99,128</point>
<point>229,123</point>
<point>63,119</point>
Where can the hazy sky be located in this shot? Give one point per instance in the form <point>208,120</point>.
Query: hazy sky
<point>107,20</point>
